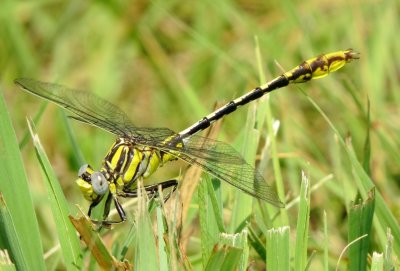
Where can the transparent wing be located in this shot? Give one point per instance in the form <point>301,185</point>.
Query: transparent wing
<point>216,158</point>
<point>94,110</point>
<point>224,162</point>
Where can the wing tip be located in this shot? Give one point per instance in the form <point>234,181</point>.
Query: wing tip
<point>280,204</point>
<point>275,201</point>
<point>19,81</point>
<point>23,82</point>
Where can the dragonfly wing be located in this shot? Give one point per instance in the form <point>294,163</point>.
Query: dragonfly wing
<point>94,110</point>
<point>224,162</point>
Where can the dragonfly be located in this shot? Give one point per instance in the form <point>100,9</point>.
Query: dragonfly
<point>139,151</point>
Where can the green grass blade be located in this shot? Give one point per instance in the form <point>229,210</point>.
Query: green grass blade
<point>162,248</point>
<point>232,260</point>
<point>364,184</point>
<point>215,204</point>
<point>300,258</point>
<point>26,137</point>
<point>377,262</point>
<point>326,243</point>
<point>388,263</point>
<point>367,144</point>
<point>208,226</point>
<point>146,251</point>
<point>265,108</point>
<point>278,249</point>
<point>243,203</point>
<point>27,251</point>
<point>238,240</point>
<point>130,237</point>
<point>256,242</point>
<point>78,157</point>
<point>360,223</point>
<point>68,238</point>
<point>224,258</point>
<point>8,235</point>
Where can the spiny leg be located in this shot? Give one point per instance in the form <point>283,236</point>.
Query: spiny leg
<point>111,197</point>
<point>151,190</point>
<point>92,205</point>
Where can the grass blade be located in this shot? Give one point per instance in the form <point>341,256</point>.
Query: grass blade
<point>26,250</point>
<point>215,204</point>
<point>93,241</point>
<point>248,150</point>
<point>224,257</point>
<point>68,238</point>
<point>208,225</point>
<point>367,144</point>
<point>364,184</point>
<point>265,108</point>
<point>8,235</point>
<point>388,264</point>
<point>326,243</point>
<point>145,241</point>
<point>278,249</point>
<point>360,223</point>
<point>5,261</point>
<point>238,240</point>
<point>300,258</point>
<point>256,242</point>
<point>162,248</point>
<point>377,262</point>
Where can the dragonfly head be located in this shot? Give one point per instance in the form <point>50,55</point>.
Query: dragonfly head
<point>93,184</point>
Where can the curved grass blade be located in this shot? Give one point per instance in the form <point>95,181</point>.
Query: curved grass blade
<point>26,248</point>
<point>69,241</point>
<point>364,184</point>
<point>360,223</point>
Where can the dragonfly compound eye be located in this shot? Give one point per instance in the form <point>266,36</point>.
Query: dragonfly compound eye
<point>99,183</point>
<point>85,172</point>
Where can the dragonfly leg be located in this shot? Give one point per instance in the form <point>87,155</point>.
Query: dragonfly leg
<point>111,197</point>
<point>152,190</point>
<point>92,205</point>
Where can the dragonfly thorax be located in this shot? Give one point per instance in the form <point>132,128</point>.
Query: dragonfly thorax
<point>124,163</point>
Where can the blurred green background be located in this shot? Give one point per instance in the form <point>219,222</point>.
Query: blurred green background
<point>166,63</point>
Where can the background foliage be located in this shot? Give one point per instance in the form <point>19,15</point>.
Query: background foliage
<point>167,62</point>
